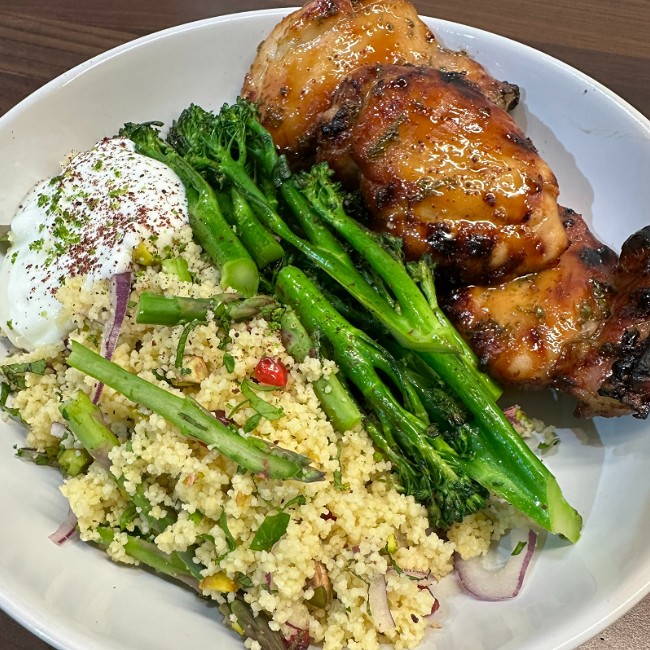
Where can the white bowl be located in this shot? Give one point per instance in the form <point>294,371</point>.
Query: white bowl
<point>599,147</point>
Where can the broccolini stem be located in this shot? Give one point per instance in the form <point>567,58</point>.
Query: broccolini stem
<point>336,402</point>
<point>496,456</point>
<point>411,331</point>
<point>259,241</point>
<point>238,270</point>
<point>194,421</point>
<point>452,494</point>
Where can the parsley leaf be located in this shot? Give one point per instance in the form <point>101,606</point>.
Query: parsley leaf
<point>270,531</point>
<point>15,372</point>
<point>259,405</point>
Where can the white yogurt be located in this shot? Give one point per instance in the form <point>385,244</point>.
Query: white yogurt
<point>84,222</point>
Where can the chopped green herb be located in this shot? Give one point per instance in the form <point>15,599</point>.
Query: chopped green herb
<point>243,580</point>
<point>46,457</point>
<point>548,444</point>
<point>338,476</point>
<point>15,372</point>
<point>274,526</point>
<point>270,531</point>
<point>519,548</point>
<point>223,524</point>
<point>182,341</point>
<point>229,362</point>
<point>259,405</point>
<point>252,422</point>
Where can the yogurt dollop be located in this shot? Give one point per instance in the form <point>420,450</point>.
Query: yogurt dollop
<point>86,221</point>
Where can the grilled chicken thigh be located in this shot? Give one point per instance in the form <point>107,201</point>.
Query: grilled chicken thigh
<point>425,134</point>
<point>581,326</point>
<point>522,329</point>
<point>300,64</point>
<point>445,169</point>
<point>610,373</point>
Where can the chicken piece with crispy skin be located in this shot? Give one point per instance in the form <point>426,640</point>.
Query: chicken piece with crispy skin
<point>610,373</point>
<point>442,167</point>
<point>521,329</point>
<point>582,326</point>
<point>300,64</point>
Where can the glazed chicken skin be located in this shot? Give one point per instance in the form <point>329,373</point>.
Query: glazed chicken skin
<point>442,167</point>
<point>521,329</point>
<point>581,326</point>
<point>307,55</point>
<point>610,374</point>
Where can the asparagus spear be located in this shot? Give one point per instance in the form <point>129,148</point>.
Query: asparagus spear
<point>194,421</point>
<point>202,138</point>
<point>169,564</point>
<point>154,309</point>
<point>86,422</point>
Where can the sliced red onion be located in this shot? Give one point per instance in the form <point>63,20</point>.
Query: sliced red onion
<point>501,584</point>
<point>120,292</point>
<point>511,414</point>
<point>57,429</point>
<point>298,640</point>
<point>378,603</point>
<point>423,578</point>
<point>66,530</point>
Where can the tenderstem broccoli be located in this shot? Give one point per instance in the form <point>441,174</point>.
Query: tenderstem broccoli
<point>459,460</point>
<point>238,270</point>
<point>202,138</point>
<point>449,469</point>
<point>218,146</point>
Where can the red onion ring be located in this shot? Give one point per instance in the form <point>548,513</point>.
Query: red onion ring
<point>57,429</point>
<point>378,603</point>
<point>502,584</point>
<point>120,293</point>
<point>66,530</point>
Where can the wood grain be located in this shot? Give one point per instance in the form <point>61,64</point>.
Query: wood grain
<point>607,40</point>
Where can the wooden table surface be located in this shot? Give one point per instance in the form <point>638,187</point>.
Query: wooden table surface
<point>607,40</point>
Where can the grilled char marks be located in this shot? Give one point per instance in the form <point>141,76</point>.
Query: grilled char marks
<point>521,330</point>
<point>307,55</point>
<point>614,375</point>
<point>446,170</point>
